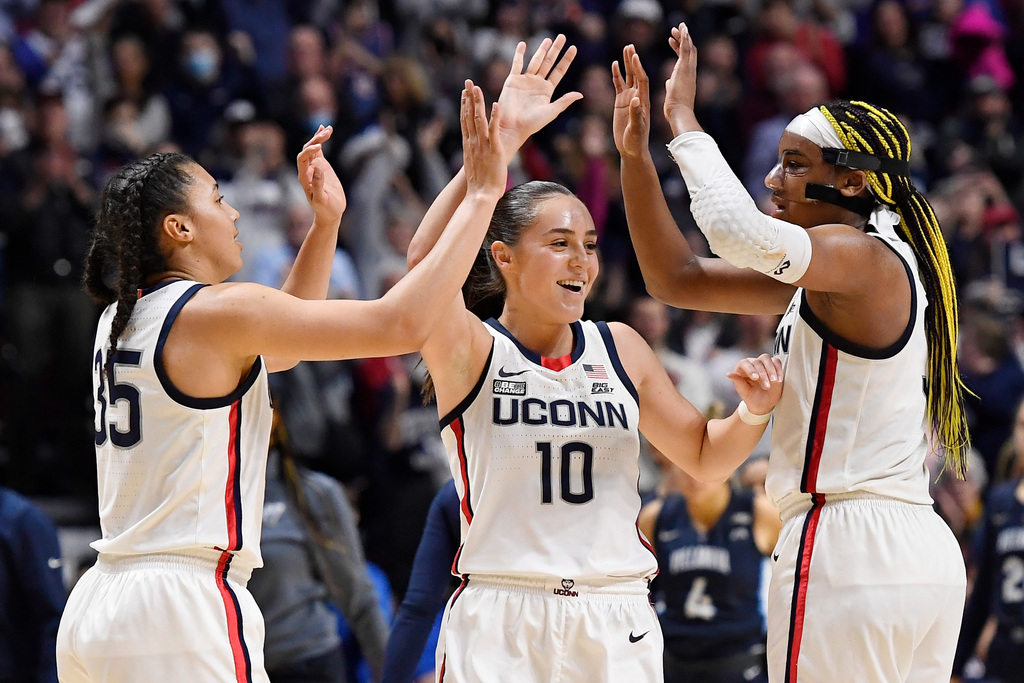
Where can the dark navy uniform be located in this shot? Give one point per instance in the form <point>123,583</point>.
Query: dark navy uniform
<point>998,588</point>
<point>706,594</point>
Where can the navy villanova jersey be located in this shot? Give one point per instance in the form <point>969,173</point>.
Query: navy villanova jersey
<point>706,593</point>
<point>999,586</point>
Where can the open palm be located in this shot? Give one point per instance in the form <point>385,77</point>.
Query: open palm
<point>525,98</point>
<point>681,87</point>
<point>631,123</point>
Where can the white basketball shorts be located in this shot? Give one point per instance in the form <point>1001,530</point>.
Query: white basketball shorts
<point>866,589</point>
<point>176,618</point>
<point>523,630</point>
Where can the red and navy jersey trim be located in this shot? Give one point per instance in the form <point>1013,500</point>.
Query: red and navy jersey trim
<point>798,608</point>
<point>455,596</point>
<point>233,489</point>
<point>579,344</point>
<point>818,423</point>
<point>233,613</point>
<point>176,394</point>
<point>613,354</point>
<point>460,445</point>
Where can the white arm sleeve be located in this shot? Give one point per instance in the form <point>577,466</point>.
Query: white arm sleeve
<point>734,227</point>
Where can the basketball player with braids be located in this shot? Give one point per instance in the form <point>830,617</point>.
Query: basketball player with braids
<point>183,413</point>
<point>541,414</point>
<point>868,582</point>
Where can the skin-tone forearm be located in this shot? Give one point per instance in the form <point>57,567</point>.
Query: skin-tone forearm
<point>661,249</point>
<point>681,119</point>
<point>310,275</point>
<point>435,279</point>
<point>708,450</point>
<point>436,218</point>
<point>728,442</point>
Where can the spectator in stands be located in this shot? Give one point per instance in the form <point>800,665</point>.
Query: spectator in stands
<point>31,591</point>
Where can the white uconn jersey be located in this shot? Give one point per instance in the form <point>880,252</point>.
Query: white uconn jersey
<point>545,458</point>
<point>851,419</point>
<point>175,472</point>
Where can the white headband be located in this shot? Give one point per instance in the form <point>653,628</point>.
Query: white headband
<point>815,127</point>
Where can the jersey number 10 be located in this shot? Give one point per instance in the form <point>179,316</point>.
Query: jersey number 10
<point>573,448</point>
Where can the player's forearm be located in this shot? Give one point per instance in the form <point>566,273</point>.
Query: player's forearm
<point>661,249</point>
<point>437,217</point>
<point>728,442</point>
<point>422,296</point>
<point>310,276</point>
<point>681,119</point>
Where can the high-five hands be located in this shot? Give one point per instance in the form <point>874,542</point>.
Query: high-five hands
<point>681,86</point>
<point>631,123</point>
<point>483,154</point>
<point>526,95</point>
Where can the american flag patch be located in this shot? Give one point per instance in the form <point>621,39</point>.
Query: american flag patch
<point>595,371</point>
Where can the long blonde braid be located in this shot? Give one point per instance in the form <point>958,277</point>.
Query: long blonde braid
<point>866,128</point>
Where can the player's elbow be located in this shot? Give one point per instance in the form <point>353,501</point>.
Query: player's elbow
<point>675,286</point>
<point>416,252</point>
<point>409,329</point>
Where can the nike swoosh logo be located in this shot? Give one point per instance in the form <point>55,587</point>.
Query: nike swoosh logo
<point>634,639</point>
<point>668,535</point>
<point>54,563</point>
<point>775,557</point>
<point>502,373</point>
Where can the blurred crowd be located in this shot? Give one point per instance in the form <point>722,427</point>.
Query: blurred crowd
<point>87,85</point>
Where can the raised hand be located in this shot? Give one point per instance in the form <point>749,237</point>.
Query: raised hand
<point>321,184</point>
<point>526,94</point>
<point>681,87</point>
<point>631,123</point>
<point>483,153</point>
<point>758,382</point>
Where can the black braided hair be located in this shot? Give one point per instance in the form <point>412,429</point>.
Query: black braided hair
<point>125,249</point>
<point>517,210</point>
<point>874,130</point>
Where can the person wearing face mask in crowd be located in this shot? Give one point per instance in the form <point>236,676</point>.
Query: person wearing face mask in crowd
<point>206,82</point>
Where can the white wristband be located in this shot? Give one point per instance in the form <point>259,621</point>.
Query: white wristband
<point>750,418</point>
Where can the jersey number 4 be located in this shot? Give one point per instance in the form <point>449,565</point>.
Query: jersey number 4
<point>570,453</point>
<point>126,394</point>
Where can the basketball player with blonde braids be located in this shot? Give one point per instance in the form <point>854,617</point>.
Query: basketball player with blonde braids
<point>868,582</point>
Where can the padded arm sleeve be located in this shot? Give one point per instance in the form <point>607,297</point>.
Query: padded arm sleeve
<point>734,227</point>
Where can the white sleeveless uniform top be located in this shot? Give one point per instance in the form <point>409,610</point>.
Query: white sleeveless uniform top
<point>544,453</point>
<point>851,419</point>
<point>176,473</point>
